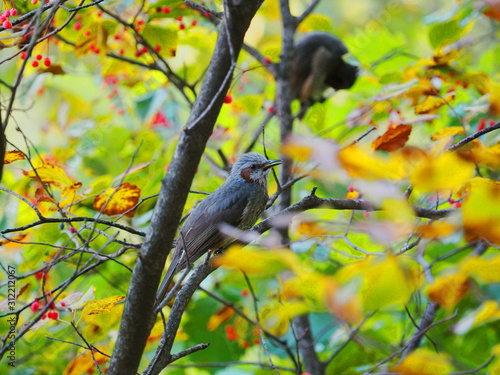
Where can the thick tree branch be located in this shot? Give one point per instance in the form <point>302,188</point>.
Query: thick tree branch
<point>138,311</point>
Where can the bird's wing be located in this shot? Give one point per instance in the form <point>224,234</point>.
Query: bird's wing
<point>204,233</point>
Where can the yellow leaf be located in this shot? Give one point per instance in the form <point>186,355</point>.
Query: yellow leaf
<point>51,174</point>
<point>448,172</point>
<point>446,132</point>
<point>101,306</point>
<point>257,262</point>
<point>383,282</point>
<point>481,210</point>
<point>251,104</point>
<point>486,155</point>
<point>448,290</point>
<point>122,200</point>
<point>297,151</point>
<point>352,194</point>
<point>221,316</point>
<point>368,165</point>
<point>69,195</point>
<point>487,269</point>
<point>430,104</point>
<point>424,362</point>
<point>393,138</point>
<point>489,310</point>
<point>276,317</point>
<point>11,156</point>
<point>480,81</point>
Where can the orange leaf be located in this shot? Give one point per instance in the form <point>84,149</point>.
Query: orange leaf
<point>84,363</point>
<point>120,200</point>
<point>393,138</point>
<point>310,228</point>
<point>221,316</point>
<point>19,237</point>
<point>492,9</point>
<point>437,229</point>
<point>448,290</point>
<point>11,156</point>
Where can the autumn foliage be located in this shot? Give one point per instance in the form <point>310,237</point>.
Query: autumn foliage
<point>391,241</point>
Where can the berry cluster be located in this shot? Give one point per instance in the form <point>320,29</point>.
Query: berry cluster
<point>35,63</point>
<point>4,18</point>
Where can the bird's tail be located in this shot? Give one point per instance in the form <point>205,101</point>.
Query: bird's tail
<point>167,280</point>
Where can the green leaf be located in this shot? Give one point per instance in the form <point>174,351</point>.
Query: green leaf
<point>444,33</point>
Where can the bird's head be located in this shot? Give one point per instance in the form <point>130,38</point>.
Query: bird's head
<point>253,168</point>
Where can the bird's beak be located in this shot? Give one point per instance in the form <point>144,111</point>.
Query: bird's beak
<point>270,164</point>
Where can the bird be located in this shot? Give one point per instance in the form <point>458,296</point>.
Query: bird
<point>239,202</point>
<point>318,64</point>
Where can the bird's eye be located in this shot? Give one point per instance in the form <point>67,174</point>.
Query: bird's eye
<point>253,166</point>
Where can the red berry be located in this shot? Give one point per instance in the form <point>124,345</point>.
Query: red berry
<point>35,306</point>
<point>46,61</point>
<point>77,26</point>
<point>44,315</point>
<point>78,17</point>
<point>206,15</point>
<point>7,24</point>
<point>140,22</point>
<point>367,214</point>
<point>38,57</point>
<point>158,10</point>
<point>492,122</point>
<point>137,53</point>
<point>458,204</point>
<point>181,26</point>
<point>194,23</point>
<point>49,315</point>
<point>63,304</point>
<point>179,18</point>
<point>351,189</point>
<point>34,64</point>
<point>87,33</point>
<point>229,328</point>
<point>39,275</point>
<point>72,229</point>
<point>6,13</point>
<point>121,52</point>
<point>2,18</point>
<point>116,37</point>
<point>482,124</point>
<point>23,55</point>
<point>34,2</point>
<point>244,293</point>
<point>271,109</point>
<point>267,60</point>
<point>157,48</point>
<point>96,51</point>
<point>13,12</point>
<point>245,344</point>
<point>99,14</point>
<point>91,46</point>
<point>144,50</point>
<point>55,315</point>
<point>228,99</point>
<point>166,10</point>
<point>256,341</point>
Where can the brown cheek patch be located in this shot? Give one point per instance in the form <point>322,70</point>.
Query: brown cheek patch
<point>245,174</point>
